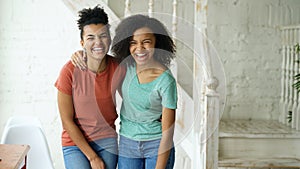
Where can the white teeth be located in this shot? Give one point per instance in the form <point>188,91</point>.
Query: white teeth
<point>98,49</point>
<point>139,55</point>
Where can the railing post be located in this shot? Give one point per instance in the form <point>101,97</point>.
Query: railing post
<point>127,10</point>
<point>289,101</point>
<point>295,93</point>
<point>287,84</point>
<point>150,8</point>
<point>296,117</point>
<point>212,132</point>
<point>291,74</point>
<point>174,64</point>
<point>282,106</point>
<point>174,19</point>
<point>209,112</point>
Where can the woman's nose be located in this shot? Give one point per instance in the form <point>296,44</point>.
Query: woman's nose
<point>98,40</point>
<point>140,46</point>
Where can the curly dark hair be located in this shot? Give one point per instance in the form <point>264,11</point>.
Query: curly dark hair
<point>164,46</point>
<point>88,16</point>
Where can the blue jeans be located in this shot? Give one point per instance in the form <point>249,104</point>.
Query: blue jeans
<point>140,154</point>
<point>107,150</point>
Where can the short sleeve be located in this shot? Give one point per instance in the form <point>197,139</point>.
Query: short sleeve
<point>169,95</point>
<point>64,80</point>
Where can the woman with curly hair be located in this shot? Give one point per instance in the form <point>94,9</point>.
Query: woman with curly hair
<point>149,93</point>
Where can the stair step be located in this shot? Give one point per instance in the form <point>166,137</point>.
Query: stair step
<point>260,163</point>
<point>258,143</point>
<point>256,129</point>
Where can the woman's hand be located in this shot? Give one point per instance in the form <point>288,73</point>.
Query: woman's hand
<point>79,59</point>
<point>97,163</point>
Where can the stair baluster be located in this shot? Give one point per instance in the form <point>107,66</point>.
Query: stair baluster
<point>289,101</point>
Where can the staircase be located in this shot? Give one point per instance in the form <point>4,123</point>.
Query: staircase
<point>258,144</point>
<point>263,143</point>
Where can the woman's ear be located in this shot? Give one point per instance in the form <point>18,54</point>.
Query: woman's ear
<point>82,43</point>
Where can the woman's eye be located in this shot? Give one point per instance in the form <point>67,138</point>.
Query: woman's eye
<point>103,36</point>
<point>147,41</point>
<point>132,43</point>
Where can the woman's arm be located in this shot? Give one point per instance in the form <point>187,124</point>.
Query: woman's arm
<point>65,105</point>
<point>166,143</point>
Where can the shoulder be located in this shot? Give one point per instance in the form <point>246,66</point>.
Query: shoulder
<point>65,78</point>
<point>167,80</point>
<point>168,76</point>
<point>68,67</point>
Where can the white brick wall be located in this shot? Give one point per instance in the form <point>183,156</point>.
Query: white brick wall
<point>37,38</point>
<point>246,35</point>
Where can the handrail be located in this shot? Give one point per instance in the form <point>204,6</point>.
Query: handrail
<point>290,27</point>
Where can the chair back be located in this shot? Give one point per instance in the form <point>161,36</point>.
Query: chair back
<point>31,134</point>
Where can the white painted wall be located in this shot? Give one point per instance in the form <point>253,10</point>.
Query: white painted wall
<point>37,37</point>
<point>247,37</point>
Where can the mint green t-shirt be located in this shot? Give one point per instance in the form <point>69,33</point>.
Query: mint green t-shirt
<point>142,105</point>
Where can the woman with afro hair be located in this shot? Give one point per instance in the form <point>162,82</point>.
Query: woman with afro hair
<point>144,49</point>
<point>149,94</point>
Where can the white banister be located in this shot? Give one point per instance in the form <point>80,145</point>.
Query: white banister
<point>297,116</point>
<point>150,8</point>
<point>295,72</point>
<point>127,10</point>
<point>210,111</point>
<point>174,19</point>
<point>289,101</point>
<point>283,83</point>
<point>174,30</point>
<point>297,54</point>
<point>286,96</point>
<point>291,76</point>
<point>212,116</point>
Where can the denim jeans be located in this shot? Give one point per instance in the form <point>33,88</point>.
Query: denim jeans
<point>141,154</point>
<point>107,150</point>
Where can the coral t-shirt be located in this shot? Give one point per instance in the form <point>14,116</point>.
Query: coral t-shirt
<point>93,99</point>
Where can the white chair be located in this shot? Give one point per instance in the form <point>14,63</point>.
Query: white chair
<point>28,120</point>
<point>31,134</point>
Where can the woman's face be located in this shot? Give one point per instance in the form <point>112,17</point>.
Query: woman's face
<point>96,41</point>
<point>142,46</point>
